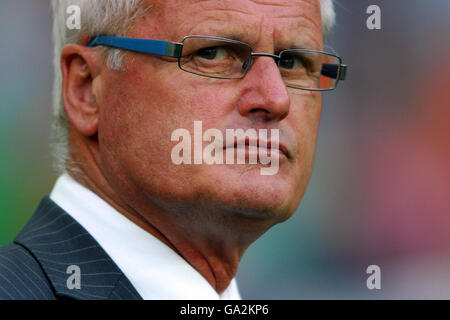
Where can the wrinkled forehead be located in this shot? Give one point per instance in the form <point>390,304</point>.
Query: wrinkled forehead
<point>278,23</point>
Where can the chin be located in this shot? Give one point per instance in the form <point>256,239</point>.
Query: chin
<point>245,191</point>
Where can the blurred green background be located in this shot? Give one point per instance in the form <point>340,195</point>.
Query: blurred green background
<point>379,193</point>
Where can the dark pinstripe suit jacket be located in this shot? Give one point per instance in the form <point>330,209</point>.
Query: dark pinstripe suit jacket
<point>35,265</point>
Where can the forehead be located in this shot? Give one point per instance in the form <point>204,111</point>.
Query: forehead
<point>286,23</point>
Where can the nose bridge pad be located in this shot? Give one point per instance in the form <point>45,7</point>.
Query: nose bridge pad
<point>277,61</point>
<point>247,64</point>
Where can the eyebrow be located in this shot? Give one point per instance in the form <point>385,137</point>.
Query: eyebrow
<point>242,36</point>
<point>236,35</point>
<point>301,45</point>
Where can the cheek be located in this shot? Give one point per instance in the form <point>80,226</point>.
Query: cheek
<point>208,101</point>
<point>311,122</point>
<point>306,111</point>
<point>128,132</point>
<point>139,117</point>
<point>311,118</point>
<point>305,119</point>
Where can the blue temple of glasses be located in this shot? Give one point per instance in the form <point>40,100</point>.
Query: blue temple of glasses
<point>157,47</point>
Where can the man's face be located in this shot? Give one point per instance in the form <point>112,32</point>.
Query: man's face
<point>143,105</point>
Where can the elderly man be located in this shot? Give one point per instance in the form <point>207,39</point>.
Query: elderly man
<point>126,220</point>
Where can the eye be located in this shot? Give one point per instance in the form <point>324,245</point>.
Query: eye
<point>292,61</point>
<point>212,53</point>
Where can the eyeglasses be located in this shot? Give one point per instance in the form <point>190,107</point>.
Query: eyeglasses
<point>223,58</point>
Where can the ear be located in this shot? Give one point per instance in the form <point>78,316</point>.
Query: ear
<point>80,66</point>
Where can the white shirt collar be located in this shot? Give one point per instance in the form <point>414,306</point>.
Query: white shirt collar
<point>154,269</point>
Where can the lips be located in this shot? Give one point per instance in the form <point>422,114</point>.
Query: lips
<point>259,145</point>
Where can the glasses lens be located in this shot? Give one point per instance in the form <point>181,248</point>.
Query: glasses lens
<point>309,70</point>
<point>215,58</point>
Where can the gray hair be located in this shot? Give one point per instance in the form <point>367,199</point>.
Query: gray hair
<point>109,17</point>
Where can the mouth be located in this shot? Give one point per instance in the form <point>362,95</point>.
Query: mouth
<point>259,145</point>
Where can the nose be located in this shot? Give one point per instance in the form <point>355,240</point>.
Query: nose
<point>265,96</point>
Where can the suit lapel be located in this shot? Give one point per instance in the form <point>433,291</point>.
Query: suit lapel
<point>57,241</point>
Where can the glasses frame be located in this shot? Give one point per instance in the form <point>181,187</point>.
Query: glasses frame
<point>175,50</point>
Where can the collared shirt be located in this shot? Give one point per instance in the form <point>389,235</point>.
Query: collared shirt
<point>154,269</point>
